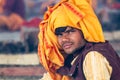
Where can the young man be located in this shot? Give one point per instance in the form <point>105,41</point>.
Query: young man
<point>72,44</point>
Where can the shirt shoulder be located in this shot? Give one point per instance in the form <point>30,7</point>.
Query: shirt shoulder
<point>96,66</point>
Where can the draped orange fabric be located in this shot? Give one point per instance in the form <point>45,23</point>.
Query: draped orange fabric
<point>76,13</point>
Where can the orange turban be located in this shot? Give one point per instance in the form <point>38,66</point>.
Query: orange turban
<point>75,13</point>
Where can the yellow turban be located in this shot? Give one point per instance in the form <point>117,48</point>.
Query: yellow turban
<point>75,13</point>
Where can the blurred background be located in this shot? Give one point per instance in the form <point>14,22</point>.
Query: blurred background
<point>19,27</point>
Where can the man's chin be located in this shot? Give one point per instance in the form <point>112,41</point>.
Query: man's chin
<point>69,52</point>
<point>74,51</point>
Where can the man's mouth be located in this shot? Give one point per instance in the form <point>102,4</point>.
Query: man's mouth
<point>67,45</point>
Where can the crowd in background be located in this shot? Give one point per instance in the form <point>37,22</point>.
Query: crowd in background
<point>20,20</point>
<point>15,12</point>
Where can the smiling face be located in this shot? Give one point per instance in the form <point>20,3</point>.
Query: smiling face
<point>70,39</point>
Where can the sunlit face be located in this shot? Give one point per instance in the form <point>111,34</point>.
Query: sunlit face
<point>70,40</point>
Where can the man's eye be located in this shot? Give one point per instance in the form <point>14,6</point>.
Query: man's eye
<point>70,31</point>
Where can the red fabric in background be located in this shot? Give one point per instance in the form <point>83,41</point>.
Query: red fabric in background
<point>116,6</point>
<point>32,23</point>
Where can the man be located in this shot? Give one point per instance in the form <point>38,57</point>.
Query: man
<point>72,45</point>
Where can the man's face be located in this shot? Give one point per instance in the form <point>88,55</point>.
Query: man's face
<point>70,40</point>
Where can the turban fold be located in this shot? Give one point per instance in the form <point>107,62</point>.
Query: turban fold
<point>75,13</point>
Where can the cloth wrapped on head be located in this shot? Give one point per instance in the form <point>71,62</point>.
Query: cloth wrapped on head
<point>75,13</point>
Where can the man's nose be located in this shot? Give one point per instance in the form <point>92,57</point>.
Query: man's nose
<point>65,37</point>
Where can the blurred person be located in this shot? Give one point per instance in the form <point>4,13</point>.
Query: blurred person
<point>108,15</point>
<point>94,4</point>
<point>45,4</point>
<point>102,11</point>
<point>2,3</point>
<point>72,44</point>
<point>12,14</point>
<point>31,7</point>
